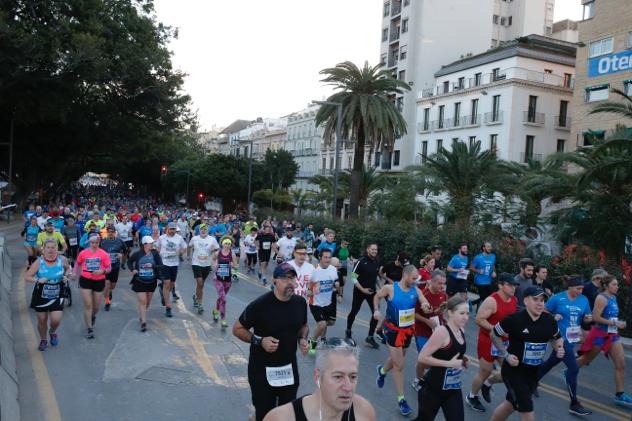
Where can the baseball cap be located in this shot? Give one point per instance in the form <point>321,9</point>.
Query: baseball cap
<point>534,292</point>
<point>282,270</point>
<point>507,278</point>
<point>172,225</point>
<point>147,240</point>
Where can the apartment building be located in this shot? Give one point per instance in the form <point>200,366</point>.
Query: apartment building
<point>303,142</point>
<point>514,99</point>
<point>604,62</point>
<point>417,37</point>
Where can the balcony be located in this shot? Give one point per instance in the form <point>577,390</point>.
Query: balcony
<point>428,92</point>
<point>471,120</point>
<point>396,8</point>
<point>394,36</point>
<point>530,157</point>
<point>531,118</point>
<point>562,123</point>
<point>392,62</point>
<point>494,118</point>
<point>423,127</point>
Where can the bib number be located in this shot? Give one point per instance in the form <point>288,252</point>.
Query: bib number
<point>495,352</point>
<point>280,376</point>
<point>72,241</point>
<point>223,270</point>
<point>406,317</point>
<point>452,378</point>
<point>573,334</point>
<point>265,245</point>
<point>93,264</point>
<point>50,292</point>
<point>31,238</point>
<point>146,273</point>
<point>533,353</point>
<point>611,328</point>
<point>462,275</point>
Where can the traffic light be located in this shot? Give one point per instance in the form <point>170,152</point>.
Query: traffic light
<point>163,170</point>
<point>200,196</point>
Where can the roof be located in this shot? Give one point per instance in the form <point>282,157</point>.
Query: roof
<point>236,126</point>
<point>532,46</point>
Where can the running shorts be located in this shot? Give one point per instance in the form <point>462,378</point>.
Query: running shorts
<point>113,275</point>
<point>520,383</point>
<point>456,286</point>
<point>169,273</point>
<point>96,286</point>
<point>201,271</point>
<point>321,314</point>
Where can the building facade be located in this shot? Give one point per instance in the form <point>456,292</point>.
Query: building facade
<point>303,142</point>
<point>514,99</point>
<point>419,36</point>
<point>604,62</point>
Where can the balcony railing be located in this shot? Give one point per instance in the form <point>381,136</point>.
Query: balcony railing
<point>524,157</point>
<point>494,117</point>
<point>423,127</point>
<point>562,123</point>
<point>396,8</point>
<point>394,34</point>
<point>427,92</point>
<point>533,118</point>
<point>392,62</point>
<point>471,120</point>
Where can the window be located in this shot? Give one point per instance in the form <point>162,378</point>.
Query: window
<point>472,141</point>
<point>446,87</point>
<point>455,140</point>
<point>509,20</point>
<point>528,148</point>
<point>568,80</point>
<point>495,19</point>
<point>439,145</point>
<point>560,145</point>
<point>533,104</point>
<point>474,108</point>
<point>396,158</point>
<point>400,103</point>
<point>589,10</point>
<point>597,93</point>
<point>350,161</point>
<point>387,8</point>
<point>441,115</point>
<point>378,158</point>
<point>404,25</point>
<point>403,50</point>
<point>495,107</point>
<point>426,118</point>
<point>548,71</point>
<point>461,83</point>
<point>457,113</point>
<point>477,79</point>
<point>402,75</point>
<point>493,142</point>
<point>383,59</point>
<point>331,163</point>
<point>424,151</point>
<point>503,21</point>
<point>563,114</point>
<point>496,74</point>
<point>601,47</point>
<point>406,3</point>
<point>384,34</point>
<point>627,87</point>
<point>592,136</point>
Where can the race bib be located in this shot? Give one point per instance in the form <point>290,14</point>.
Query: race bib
<point>223,270</point>
<point>146,273</point>
<point>280,376</point>
<point>265,245</point>
<point>252,249</point>
<point>72,241</point>
<point>495,352</point>
<point>533,353</point>
<point>93,264</point>
<point>113,258</point>
<point>613,329</point>
<point>462,275</point>
<point>31,237</point>
<point>452,378</point>
<point>573,334</point>
<point>51,292</point>
<point>406,317</point>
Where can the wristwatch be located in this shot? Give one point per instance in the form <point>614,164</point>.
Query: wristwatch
<point>255,340</point>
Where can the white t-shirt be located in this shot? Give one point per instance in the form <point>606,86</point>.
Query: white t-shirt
<point>124,230</point>
<point>304,275</point>
<point>184,227</point>
<point>249,243</point>
<point>169,247</point>
<point>323,280</point>
<point>41,221</point>
<point>286,246</point>
<point>202,250</point>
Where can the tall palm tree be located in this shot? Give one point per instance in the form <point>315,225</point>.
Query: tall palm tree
<point>370,181</point>
<point>623,108</point>
<point>369,114</point>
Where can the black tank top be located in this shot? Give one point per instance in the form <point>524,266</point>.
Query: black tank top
<point>299,413</point>
<point>441,378</point>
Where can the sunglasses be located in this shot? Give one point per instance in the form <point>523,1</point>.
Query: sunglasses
<point>337,343</point>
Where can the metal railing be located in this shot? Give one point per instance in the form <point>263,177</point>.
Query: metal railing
<point>531,117</point>
<point>423,127</point>
<point>471,120</point>
<point>494,117</point>
<point>396,8</point>
<point>394,36</point>
<point>562,122</point>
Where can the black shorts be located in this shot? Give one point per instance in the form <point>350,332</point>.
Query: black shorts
<point>456,285</point>
<point>391,338</point>
<point>113,275</point>
<point>138,286</point>
<point>342,271</point>
<point>520,383</point>
<point>129,244</point>
<point>264,256</point>
<point>72,251</point>
<point>251,258</point>
<point>94,285</point>
<point>201,271</point>
<point>321,314</point>
<point>169,273</point>
<point>44,305</point>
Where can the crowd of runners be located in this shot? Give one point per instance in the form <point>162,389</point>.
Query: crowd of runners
<point>92,237</point>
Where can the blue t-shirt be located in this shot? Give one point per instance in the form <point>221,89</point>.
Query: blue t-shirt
<point>457,262</point>
<point>144,231</point>
<point>572,312</point>
<point>481,261</point>
<point>326,245</point>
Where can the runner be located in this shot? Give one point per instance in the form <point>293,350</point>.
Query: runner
<point>145,265</point>
<point>144,230</point>
<point>427,266</point>
<point>529,331</point>
<point>200,251</point>
<point>364,277</point>
<point>594,287</point>
<point>56,220</point>
<point>445,355</point>
<point>226,264</point>
<point>458,272</point>
<point>484,267</point>
<point>170,246</point>
<point>493,309</point>
<point>91,228</point>
<point>235,234</point>
<point>304,270</point>
<point>321,287</point>
<point>49,232</point>
<point>569,308</point>
<point>392,271</point>
<point>250,243</point>
<point>329,243</point>
<point>93,263</point>
<point>604,336</point>
<point>31,232</point>
<point>399,328</point>
<point>72,235</point>
<point>344,256</point>
<point>278,320</point>
<point>308,237</point>
<point>48,273</point>
<point>124,231</point>
<point>541,273</point>
<point>336,378</point>
<point>525,279</point>
<point>264,248</point>
<point>115,247</point>
<point>437,253</point>
<point>183,224</point>
<point>284,247</point>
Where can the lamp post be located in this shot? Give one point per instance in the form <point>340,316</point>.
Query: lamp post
<point>338,105</point>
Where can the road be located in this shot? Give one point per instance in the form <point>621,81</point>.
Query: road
<point>188,368</point>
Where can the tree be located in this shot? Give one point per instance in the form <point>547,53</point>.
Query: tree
<point>396,201</point>
<point>369,114</point>
<point>279,169</point>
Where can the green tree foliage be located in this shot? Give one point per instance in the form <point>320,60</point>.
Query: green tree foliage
<point>397,201</point>
<point>280,169</point>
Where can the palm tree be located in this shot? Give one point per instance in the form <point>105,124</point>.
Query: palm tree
<point>370,181</point>
<point>369,114</point>
<point>623,108</point>
<point>299,199</point>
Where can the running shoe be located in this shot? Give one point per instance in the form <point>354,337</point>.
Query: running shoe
<point>370,341</point>
<point>312,348</point>
<point>42,345</point>
<point>224,324</point>
<point>107,307</point>
<point>90,334</point>
<point>348,334</point>
<point>265,282</point>
<point>195,302</point>
<point>623,399</point>
<point>168,312</point>
<point>578,409</point>
<point>475,403</point>
<point>54,340</point>
<point>380,377</point>
<point>404,409</point>
<point>380,334</point>
<point>215,315</point>
<point>486,391</point>
<point>143,327</point>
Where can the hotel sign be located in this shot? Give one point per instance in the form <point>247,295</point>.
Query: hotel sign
<point>612,63</point>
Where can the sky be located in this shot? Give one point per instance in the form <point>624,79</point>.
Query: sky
<point>260,58</point>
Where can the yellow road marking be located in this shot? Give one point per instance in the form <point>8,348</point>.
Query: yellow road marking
<point>50,406</point>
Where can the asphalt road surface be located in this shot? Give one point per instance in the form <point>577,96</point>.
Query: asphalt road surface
<point>188,368</point>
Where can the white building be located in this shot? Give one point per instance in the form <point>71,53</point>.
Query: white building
<point>514,99</point>
<point>303,142</point>
<point>420,36</point>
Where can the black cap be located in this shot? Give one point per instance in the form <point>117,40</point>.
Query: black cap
<point>507,278</point>
<point>534,292</point>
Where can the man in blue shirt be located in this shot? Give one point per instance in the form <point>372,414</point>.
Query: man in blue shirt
<point>570,308</point>
<point>484,267</point>
<point>457,270</point>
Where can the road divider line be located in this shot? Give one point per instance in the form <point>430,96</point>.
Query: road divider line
<point>50,406</point>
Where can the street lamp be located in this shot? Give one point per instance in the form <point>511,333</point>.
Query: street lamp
<point>338,105</point>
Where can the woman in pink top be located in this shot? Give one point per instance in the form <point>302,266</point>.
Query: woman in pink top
<point>93,263</point>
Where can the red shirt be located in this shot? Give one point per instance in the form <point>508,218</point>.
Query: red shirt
<point>135,217</point>
<point>425,277</point>
<point>503,309</point>
<point>435,300</point>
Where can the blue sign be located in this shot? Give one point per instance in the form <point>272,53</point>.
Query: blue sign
<point>613,63</point>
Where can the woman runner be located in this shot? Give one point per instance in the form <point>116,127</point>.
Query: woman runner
<point>145,265</point>
<point>226,264</point>
<point>30,239</point>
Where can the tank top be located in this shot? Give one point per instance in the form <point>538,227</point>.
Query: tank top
<point>503,309</point>
<point>610,312</point>
<point>442,378</point>
<point>400,310</point>
<point>31,234</point>
<point>54,273</point>
<point>224,271</point>
<point>299,413</point>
